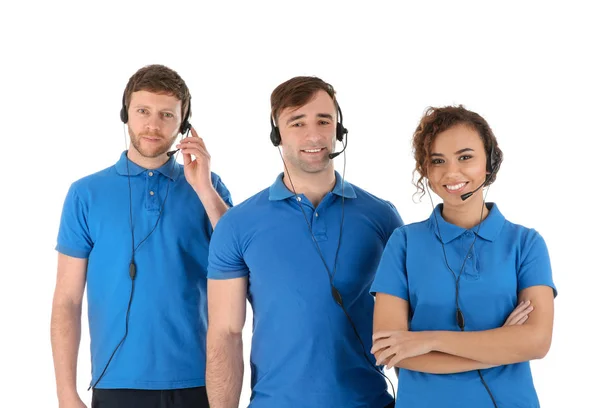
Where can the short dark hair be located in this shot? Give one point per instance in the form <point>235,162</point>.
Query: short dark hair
<point>297,92</point>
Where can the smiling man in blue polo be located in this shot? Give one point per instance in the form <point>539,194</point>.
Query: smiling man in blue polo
<point>304,252</point>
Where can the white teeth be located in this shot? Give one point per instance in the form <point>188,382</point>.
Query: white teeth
<point>312,150</point>
<point>455,186</point>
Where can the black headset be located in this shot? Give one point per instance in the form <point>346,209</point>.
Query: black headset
<point>185,123</point>
<point>492,160</point>
<point>185,126</point>
<point>492,166</point>
<point>340,130</point>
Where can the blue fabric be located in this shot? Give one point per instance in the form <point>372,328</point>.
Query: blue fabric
<point>304,351</point>
<point>166,344</point>
<point>506,259</point>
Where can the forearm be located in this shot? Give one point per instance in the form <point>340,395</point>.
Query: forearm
<point>224,369</point>
<point>504,345</point>
<point>213,204</point>
<point>65,333</point>
<point>441,363</point>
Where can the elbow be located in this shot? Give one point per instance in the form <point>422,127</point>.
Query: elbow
<point>541,345</point>
<point>225,335</point>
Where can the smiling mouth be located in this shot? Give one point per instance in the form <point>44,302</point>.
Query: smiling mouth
<point>453,188</point>
<point>317,150</point>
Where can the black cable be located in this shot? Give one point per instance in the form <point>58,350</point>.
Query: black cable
<point>132,266</point>
<point>460,320</point>
<point>334,291</point>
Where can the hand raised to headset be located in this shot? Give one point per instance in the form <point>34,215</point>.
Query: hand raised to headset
<point>197,170</point>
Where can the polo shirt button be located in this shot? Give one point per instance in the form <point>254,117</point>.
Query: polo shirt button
<point>316,214</point>
<point>150,173</point>
<point>299,198</point>
<point>151,192</point>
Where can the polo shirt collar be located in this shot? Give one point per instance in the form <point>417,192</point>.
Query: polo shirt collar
<point>166,169</point>
<point>489,230</point>
<point>279,191</point>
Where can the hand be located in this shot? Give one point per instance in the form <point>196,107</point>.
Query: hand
<point>197,170</point>
<point>75,402</point>
<point>391,347</point>
<point>519,315</point>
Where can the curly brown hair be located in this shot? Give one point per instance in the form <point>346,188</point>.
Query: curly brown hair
<point>437,120</point>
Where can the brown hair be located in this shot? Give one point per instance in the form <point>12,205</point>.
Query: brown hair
<point>296,92</point>
<point>159,79</point>
<point>437,120</point>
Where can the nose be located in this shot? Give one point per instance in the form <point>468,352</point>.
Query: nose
<point>452,167</point>
<point>314,133</point>
<point>153,122</point>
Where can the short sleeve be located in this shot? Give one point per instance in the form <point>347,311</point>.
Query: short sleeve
<point>535,268</point>
<point>391,276</point>
<point>73,234</point>
<point>222,189</point>
<point>395,220</point>
<point>225,259</point>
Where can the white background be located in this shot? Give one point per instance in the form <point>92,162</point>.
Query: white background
<point>531,69</point>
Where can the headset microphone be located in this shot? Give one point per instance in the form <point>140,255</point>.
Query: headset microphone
<point>491,167</point>
<point>172,152</point>
<point>470,193</point>
<point>336,154</point>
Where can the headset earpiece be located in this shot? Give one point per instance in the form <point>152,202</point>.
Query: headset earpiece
<point>185,123</point>
<point>340,130</point>
<point>492,161</point>
<point>124,116</point>
<point>275,135</point>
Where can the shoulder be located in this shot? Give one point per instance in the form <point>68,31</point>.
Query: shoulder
<point>525,237</point>
<point>414,230</point>
<point>93,181</point>
<point>373,202</point>
<point>248,210</point>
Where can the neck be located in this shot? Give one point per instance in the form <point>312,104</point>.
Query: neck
<point>313,185</point>
<point>150,163</point>
<point>467,214</point>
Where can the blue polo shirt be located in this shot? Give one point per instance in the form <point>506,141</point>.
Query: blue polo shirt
<point>304,352</point>
<point>506,259</point>
<point>166,343</point>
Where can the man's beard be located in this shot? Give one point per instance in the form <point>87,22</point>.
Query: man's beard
<point>152,149</point>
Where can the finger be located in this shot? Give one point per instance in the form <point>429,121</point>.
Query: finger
<point>197,143</point>
<point>519,307</point>
<point>385,355</point>
<point>381,334</point>
<point>195,151</point>
<point>522,313</point>
<point>392,362</point>
<point>511,317</point>
<point>381,344</point>
<point>187,158</point>
<point>522,320</point>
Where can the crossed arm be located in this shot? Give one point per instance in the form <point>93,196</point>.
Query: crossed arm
<point>442,352</point>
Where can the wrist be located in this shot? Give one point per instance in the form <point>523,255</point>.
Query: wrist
<point>204,188</point>
<point>68,396</point>
<point>434,340</point>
